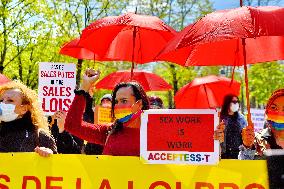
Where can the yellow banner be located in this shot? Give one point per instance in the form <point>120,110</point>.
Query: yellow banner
<point>30,171</point>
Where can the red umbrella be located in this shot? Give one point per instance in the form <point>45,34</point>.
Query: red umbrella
<point>75,50</point>
<point>3,79</point>
<point>148,80</point>
<point>206,92</point>
<point>129,37</point>
<point>233,37</point>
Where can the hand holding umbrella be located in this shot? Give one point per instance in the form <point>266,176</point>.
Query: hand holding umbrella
<point>248,136</point>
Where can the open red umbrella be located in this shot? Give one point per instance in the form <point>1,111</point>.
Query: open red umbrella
<point>129,37</point>
<point>206,92</point>
<point>75,50</point>
<point>148,80</point>
<point>233,37</point>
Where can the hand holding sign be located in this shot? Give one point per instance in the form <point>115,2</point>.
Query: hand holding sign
<point>43,151</point>
<point>60,117</point>
<point>219,133</point>
<point>89,78</point>
<point>248,136</point>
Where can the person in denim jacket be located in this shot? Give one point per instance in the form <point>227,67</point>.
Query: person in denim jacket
<point>234,122</point>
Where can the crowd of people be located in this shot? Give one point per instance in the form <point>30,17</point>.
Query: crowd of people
<point>24,128</point>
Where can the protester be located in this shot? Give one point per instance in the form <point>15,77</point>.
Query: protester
<point>123,137</point>
<point>234,122</point>
<point>156,102</point>
<point>105,102</point>
<point>272,137</point>
<point>23,126</point>
<point>70,144</point>
<point>65,142</point>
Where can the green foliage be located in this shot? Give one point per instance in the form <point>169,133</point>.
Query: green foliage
<point>33,32</point>
<point>264,79</point>
<point>177,13</point>
<point>20,23</point>
<point>207,70</point>
<point>175,75</point>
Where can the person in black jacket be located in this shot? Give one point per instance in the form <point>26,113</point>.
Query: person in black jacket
<point>23,126</point>
<point>105,101</point>
<point>70,144</point>
<point>65,142</point>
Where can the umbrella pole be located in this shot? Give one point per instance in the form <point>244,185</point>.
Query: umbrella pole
<point>94,59</point>
<point>233,74</point>
<point>79,70</point>
<point>246,82</point>
<point>132,67</point>
<point>134,38</point>
<point>207,96</point>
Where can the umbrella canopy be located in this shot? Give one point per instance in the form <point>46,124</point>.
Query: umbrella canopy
<point>129,37</point>
<point>206,92</point>
<point>75,50</point>
<point>231,37</point>
<point>148,80</point>
<point>216,39</point>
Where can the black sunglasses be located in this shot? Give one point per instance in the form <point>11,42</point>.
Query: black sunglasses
<point>235,101</point>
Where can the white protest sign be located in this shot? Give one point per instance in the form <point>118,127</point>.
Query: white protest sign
<point>183,136</point>
<point>257,116</point>
<point>56,86</point>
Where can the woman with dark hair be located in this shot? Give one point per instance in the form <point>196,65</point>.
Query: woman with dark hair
<point>123,137</point>
<point>234,122</point>
<point>156,102</point>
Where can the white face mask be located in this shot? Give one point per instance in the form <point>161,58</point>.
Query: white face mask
<point>7,112</point>
<point>234,107</point>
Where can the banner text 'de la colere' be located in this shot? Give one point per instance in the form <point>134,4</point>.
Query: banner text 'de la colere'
<point>30,171</point>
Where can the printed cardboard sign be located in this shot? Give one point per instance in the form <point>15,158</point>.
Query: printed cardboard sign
<point>179,136</point>
<point>56,86</point>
